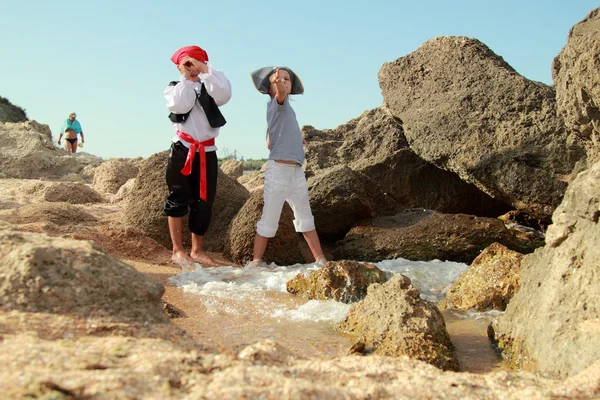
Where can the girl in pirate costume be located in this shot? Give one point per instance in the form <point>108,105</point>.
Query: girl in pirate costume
<point>192,167</point>
<point>284,176</point>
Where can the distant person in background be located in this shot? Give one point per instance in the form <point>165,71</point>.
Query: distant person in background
<point>70,129</point>
<point>192,167</point>
<point>284,176</point>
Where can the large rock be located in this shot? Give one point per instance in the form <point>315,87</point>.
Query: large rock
<point>44,274</point>
<point>252,181</point>
<point>374,145</point>
<point>233,168</point>
<point>552,325</point>
<point>231,197</point>
<point>394,321</point>
<point>144,208</point>
<point>577,82</point>
<point>11,113</point>
<point>114,173</point>
<point>466,110</point>
<point>59,213</point>
<point>489,283</point>
<point>26,151</point>
<point>345,281</point>
<point>341,197</point>
<point>419,234</point>
<point>283,249</point>
<point>124,191</point>
<point>73,193</point>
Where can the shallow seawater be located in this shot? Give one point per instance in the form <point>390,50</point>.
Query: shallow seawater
<point>239,306</point>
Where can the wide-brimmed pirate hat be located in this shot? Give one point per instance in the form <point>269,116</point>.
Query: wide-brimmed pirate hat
<point>261,81</point>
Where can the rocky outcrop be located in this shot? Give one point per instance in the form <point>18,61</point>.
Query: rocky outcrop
<point>113,173</point>
<point>489,283</point>
<point>466,110</point>
<point>11,113</point>
<point>73,193</point>
<point>124,191</point>
<point>552,325</point>
<point>231,197</point>
<point>26,151</point>
<point>144,208</point>
<point>394,321</point>
<point>419,234</point>
<point>345,281</point>
<point>341,197</point>
<point>60,213</point>
<point>575,75</point>
<point>56,275</point>
<point>233,168</point>
<point>374,145</point>
<point>255,180</point>
<point>283,249</point>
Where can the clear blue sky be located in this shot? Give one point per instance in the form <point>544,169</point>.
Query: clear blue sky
<point>109,60</point>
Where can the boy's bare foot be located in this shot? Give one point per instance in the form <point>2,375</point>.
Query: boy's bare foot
<point>203,259</point>
<point>180,257</point>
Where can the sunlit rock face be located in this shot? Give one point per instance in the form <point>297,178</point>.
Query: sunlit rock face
<point>489,283</point>
<point>552,324</point>
<point>232,168</point>
<point>345,281</point>
<point>393,320</point>
<point>45,274</point>
<point>114,173</point>
<point>466,110</point>
<point>577,82</point>
<point>27,152</point>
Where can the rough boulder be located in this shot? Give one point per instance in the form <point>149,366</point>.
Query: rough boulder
<point>466,110</point>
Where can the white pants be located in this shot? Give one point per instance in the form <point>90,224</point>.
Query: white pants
<point>285,182</point>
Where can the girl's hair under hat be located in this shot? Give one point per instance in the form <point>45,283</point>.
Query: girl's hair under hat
<point>261,81</point>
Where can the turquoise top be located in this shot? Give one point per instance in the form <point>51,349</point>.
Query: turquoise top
<point>76,126</point>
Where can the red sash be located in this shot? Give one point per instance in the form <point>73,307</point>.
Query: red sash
<point>187,168</point>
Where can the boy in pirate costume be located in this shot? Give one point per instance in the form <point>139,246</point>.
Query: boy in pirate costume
<point>192,167</point>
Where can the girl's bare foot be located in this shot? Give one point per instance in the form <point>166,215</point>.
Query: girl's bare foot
<point>203,259</point>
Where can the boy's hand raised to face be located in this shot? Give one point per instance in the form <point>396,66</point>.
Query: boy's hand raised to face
<point>190,68</point>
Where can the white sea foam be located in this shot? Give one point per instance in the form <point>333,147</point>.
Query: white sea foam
<point>231,289</point>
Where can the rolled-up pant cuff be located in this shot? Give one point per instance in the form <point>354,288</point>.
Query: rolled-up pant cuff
<point>265,231</point>
<point>304,225</point>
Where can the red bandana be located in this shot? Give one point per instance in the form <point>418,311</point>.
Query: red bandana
<point>192,51</point>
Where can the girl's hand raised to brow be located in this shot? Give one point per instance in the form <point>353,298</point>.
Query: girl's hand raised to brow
<point>279,82</point>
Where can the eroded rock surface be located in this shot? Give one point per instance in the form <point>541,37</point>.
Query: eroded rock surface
<point>466,110</point>
<point>577,82</point>
<point>345,281</point>
<point>552,325</point>
<point>489,283</point>
<point>393,320</point>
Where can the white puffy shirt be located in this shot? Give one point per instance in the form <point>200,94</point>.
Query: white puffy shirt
<point>182,97</point>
